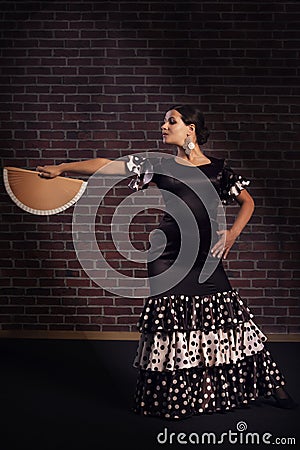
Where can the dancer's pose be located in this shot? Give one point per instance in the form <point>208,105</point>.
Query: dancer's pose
<point>200,350</point>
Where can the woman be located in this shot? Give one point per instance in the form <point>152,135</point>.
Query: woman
<point>199,350</point>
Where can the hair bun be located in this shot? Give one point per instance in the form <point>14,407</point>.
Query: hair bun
<point>202,136</point>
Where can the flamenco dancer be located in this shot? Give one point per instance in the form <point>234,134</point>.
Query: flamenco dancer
<point>200,350</point>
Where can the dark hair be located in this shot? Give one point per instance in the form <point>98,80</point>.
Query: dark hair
<point>192,115</point>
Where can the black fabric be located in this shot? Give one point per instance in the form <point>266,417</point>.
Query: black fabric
<point>206,218</point>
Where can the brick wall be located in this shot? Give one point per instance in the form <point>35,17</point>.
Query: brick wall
<point>94,78</point>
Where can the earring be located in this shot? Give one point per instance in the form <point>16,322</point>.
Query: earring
<point>188,145</point>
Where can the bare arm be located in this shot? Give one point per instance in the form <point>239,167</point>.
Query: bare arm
<point>247,205</point>
<point>87,167</point>
<point>228,237</point>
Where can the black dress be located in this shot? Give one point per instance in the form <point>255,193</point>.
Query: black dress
<point>199,350</point>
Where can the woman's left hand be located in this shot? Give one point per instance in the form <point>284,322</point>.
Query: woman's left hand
<point>222,247</point>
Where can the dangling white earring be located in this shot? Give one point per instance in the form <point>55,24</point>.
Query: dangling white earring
<point>188,145</point>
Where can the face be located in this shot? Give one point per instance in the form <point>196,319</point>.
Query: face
<point>174,130</point>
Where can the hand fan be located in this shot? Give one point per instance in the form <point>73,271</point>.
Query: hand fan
<point>42,196</point>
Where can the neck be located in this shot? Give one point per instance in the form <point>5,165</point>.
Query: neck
<point>195,156</point>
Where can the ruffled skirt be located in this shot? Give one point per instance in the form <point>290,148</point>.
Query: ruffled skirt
<point>200,354</point>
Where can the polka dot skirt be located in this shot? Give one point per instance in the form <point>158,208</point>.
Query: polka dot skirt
<point>200,364</point>
<point>180,350</point>
<point>221,310</point>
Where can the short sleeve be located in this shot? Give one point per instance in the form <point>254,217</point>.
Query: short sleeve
<point>143,170</point>
<point>231,184</point>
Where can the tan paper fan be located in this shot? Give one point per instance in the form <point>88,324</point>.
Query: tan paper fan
<point>42,196</point>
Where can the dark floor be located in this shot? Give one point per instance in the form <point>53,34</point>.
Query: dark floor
<point>77,395</point>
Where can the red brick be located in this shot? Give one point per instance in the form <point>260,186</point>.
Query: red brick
<point>102,319</point>
<point>100,86</point>
<point>76,319</point>
<point>87,328</point>
<point>51,319</point>
<point>263,320</point>
<point>116,327</point>
<point>127,320</point>
<point>274,311</point>
<point>294,311</point>
<point>286,302</point>
<point>25,319</point>
<point>61,327</point>
<point>288,320</point>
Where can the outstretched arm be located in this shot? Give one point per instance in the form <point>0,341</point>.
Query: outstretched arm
<point>87,167</point>
<point>228,237</point>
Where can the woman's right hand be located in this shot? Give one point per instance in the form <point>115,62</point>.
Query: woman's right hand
<point>49,171</point>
